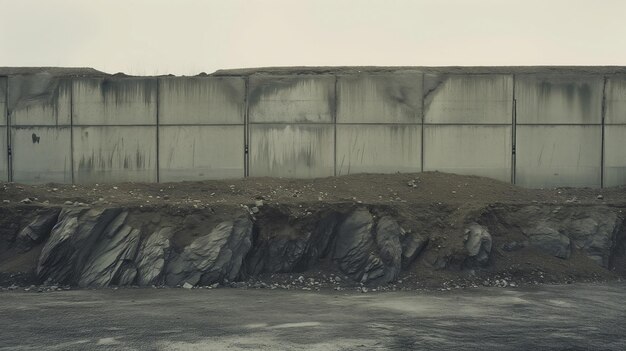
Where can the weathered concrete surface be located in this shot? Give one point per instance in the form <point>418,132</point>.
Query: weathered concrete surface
<point>378,148</point>
<point>201,100</point>
<point>4,163</point>
<point>41,154</point>
<point>200,152</point>
<point>550,156</point>
<point>298,151</point>
<point>380,98</point>
<point>40,100</point>
<point>558,99</point>
<point>615,100</point>
<point>114,154</point>
<point>114,101</point>
<point>570,317</point>
<point>292,99</point>
<point>3,100</point>
<point>469,149</point>
<point>483,99</point>
<point>614,155</point>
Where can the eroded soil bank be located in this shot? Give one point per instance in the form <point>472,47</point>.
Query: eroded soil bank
<point>366,232</point>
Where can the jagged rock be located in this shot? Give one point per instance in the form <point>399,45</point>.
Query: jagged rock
<point>478,244</point>
<point>152,257</point>
<point>214,257</point>
<point>280,252</point>
<point>70,244</point>
<point>595,234</point>
<point>363,258</point>
<point>116,247</point>
<point>412,246</point>
<point>389,248</point>
<point>592,230</point>
<point>549,240</point>
<point>37,230</point>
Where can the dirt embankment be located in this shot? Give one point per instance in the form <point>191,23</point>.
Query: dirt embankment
<point>363,232</point>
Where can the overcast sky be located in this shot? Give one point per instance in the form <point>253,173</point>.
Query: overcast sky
<point>148,37</point>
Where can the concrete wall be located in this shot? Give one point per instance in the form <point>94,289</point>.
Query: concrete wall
<point>4,162</point>
<point>40,114</point>
<point>114,131</point>
<point>291,126</point>
<point>537,129</point>
<point>201,128</point>
<point>467,124</point>
<point>559,130</point>
<point>379,123</point>
<point>615,132</point>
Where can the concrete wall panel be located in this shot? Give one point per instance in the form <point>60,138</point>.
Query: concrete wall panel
<point>40,100</point>
<point>3,101</point>
<point>41,154</point>
<point>291,99</point>
<point>485,99</point>
<point>295,151</point>
<point>200,152</point>
<point>545,99</point>
<point>115,101</point>
<point>380,98</point>
<point>378,149</point>
<point>201,100</point>
<point>615,155</point>
<point>4,165</point>
<point>551,156</point>
<point>114,154</point>
<point>471,150</point>
<point>615,100</point>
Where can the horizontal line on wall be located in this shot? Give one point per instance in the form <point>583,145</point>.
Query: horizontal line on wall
<point>559,124</point>
<point>377,124</point>
<point>18,126</point>
<point>291,123</point>
<point>468,124</point>
<point>203,125</point>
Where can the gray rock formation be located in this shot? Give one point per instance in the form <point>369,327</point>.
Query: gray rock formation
<point>365,253</point>
<point>549,240</point>
<point>214,257</point>
<point>152,256</point>
<point>70,244</point>
<point>478,244</point>
<point>595,234</point>
<point>116,249</point>
<point>38,230</point>
<point>412,246</point>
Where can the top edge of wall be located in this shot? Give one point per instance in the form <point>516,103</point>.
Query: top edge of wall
<point>336,70</point>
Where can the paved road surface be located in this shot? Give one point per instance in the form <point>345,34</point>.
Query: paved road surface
<point>555,317</point>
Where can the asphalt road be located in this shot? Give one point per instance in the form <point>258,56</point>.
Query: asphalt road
<point>568,317</point>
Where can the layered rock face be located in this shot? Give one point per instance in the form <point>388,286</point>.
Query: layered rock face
<point>370,244</point>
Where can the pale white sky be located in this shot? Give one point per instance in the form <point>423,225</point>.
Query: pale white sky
<point>148,37</point>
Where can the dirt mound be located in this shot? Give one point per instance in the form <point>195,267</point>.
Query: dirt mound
<point>362,231</point>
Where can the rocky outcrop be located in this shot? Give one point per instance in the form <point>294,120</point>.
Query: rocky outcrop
<point>412,246</point>
<point>368,253</point>
<point>478,244</point>
<point>112,258</point>
<point>549,240</point>
<point>70,244</point>
<point>38,230</point>
<point>557,230</point>
<point>212,258</point>
<point>153,254</point>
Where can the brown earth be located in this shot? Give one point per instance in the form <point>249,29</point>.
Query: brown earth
<point>439,203</point>
<point>430,188</point>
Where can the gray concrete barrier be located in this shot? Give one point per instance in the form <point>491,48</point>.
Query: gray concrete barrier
<point>559,130</point>
<point>534,127</point>
<point>468,124</point>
